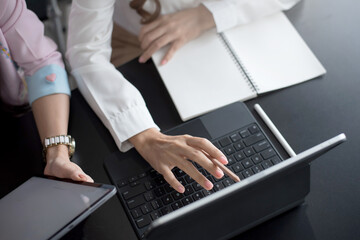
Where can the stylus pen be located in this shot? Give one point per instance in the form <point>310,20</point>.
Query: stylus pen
<point>226,170</point>
<point>274,130</point>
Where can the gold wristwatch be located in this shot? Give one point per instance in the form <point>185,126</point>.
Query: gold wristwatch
<point>60,140</point>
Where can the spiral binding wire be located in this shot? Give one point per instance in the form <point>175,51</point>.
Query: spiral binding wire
<point>249,80</point>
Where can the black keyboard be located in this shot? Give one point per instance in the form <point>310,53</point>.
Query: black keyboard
<point>147,196</point>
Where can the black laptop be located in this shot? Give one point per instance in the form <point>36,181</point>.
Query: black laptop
<point>269,184</point>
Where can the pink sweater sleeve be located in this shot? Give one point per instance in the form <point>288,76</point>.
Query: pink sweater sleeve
<point>31,50</point>
<point>24,33</point>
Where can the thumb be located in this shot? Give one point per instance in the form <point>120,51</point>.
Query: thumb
<point>81,176</point>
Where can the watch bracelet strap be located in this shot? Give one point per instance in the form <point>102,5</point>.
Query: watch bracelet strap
<point>55,141</point>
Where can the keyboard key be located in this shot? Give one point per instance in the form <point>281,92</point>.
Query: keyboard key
<point>149,185</point>
<point>167,199</point>
<point>231,161</point>
<point>198,196</point>
<point>155,215</point>
<point>256,158</point>
<point>182,181</point>
<point>196,186</point>
<point>136,201</point>
<point>132,192</point>
<point>176,205</point>
<point>168,188</point>
<point>260,146</point>
<point>218,186</point>
<point>133,178</point>
<point>166,210</point>
<point>146,208</point>
<point>238,146</point>
<point>153,173</point>
<point>227,182</point>
<point>178,172</point>
<point>247,173</point>
<point>229,150</point>
<point>149,196</point>
<point>224,141</point>
<point>143,221</point>
<point>206,192</point>
<point>268,153</point>
<point>122,183</point>
<point>249,151</point>
<point>247,163</point>
<point>237,167</point>
<point>188,179</point>
<point>188,190</point>
<point>159,180</point>
<point>239,156</point>
<point>253,129</point>
<point>141,175</point>
<point>156,204</point>
<point>275,160</point>
<point>177,195</point>
<point>257,168</point>
<point>133,184</point>
<point>235,137</point>
<point>254,139</point>
<point>245,133</point>
<point>239,174</point>
<point>187,201</point>
<point>159,191</point>
<point>136,213</point>
<point>266,164</point>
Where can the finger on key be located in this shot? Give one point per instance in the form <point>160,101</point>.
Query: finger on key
<point>208,147</point>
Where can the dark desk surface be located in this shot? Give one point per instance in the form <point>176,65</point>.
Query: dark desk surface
<point>306,114</point>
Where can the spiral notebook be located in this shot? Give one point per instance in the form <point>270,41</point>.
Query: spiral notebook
<point>218,69</point>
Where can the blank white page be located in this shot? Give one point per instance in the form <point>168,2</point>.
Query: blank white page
<point>274,53</point>
<point>202,76</point>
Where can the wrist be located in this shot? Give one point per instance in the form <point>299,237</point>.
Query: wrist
<point>58,146</point>
<point>141,138</point>
<point>206,19</point>
<point>57,152</point>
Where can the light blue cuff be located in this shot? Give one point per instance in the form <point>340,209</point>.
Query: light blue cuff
<point>47,80</point>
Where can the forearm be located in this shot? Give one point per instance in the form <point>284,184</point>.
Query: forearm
<point>51,115</point>
<point>116,102</point>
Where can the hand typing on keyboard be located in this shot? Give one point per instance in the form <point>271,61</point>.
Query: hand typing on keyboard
<point>164,152</point>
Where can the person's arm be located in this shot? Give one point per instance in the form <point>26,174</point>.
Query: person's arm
<point>51,114</point>
<point>119,104</point>
<point>181,27</point>
<point>230,13</point>
<point>47,82</point>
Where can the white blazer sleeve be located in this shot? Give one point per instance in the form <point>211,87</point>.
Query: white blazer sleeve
<point>230,13</point>
<point>117,102</point>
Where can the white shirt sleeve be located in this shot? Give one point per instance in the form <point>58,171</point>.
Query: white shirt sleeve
<point>230,13</point>
<point>117,102</point>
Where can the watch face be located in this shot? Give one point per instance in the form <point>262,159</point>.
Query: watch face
<point>72,147</point>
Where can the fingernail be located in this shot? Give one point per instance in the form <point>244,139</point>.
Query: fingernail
<point>180,188</point>
<point>224,160</point>
<point>141,60</point>
<point>163,62</point>
<point>208,185</point>
<point>219,173</point>
<point>82,176</point>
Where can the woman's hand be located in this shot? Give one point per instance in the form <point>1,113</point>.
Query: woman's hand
<point>165,152</point>
<point>59,165</point>
<point>175,29</point>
